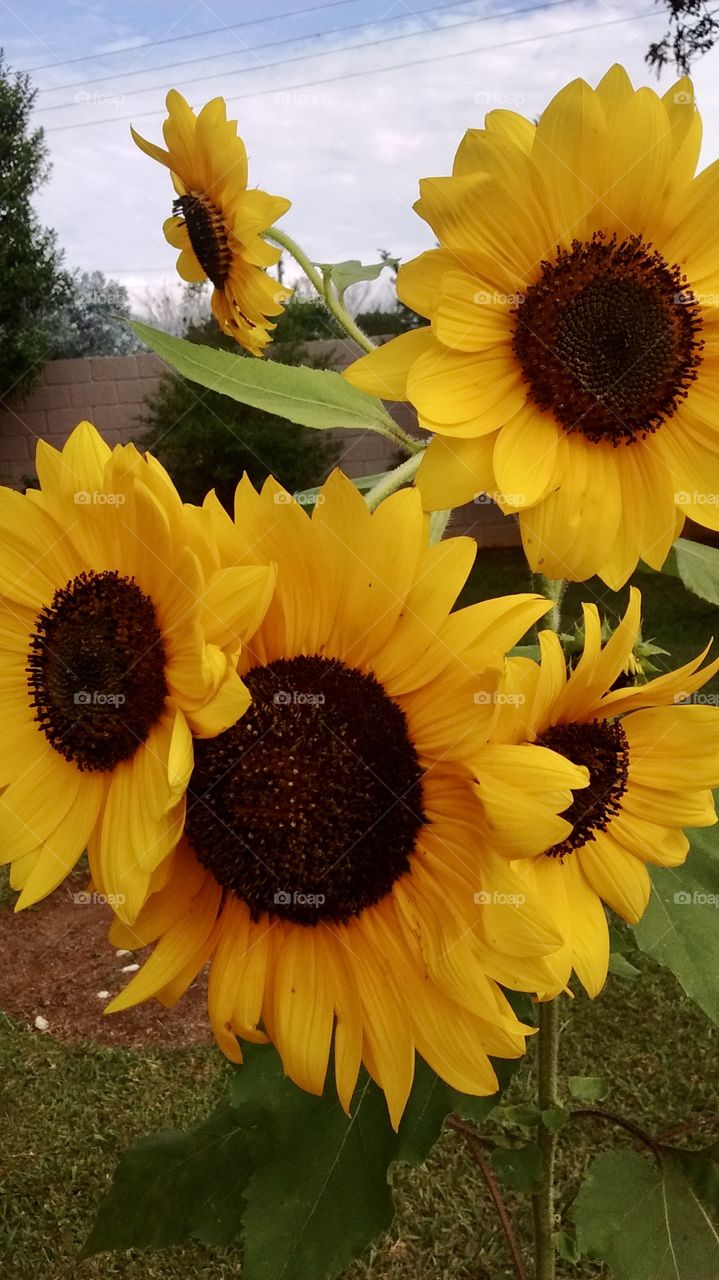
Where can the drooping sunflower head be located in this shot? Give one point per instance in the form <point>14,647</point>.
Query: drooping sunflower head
<point>571,359</point>
<point>217,222</point>
<point>116,646</point>
<point>340,861</point>
<point>652,756</point>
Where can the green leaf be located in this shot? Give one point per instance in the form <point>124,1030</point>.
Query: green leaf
<point>651,1222</point>
<point>698,567</point>
<point>524,1114</point>
<point>519,1168</point>
<point>173,1187</point>
<point>311,397</point>
<point>345,274</point>
<point>588,1088</point>
<point>555,1118</point>
<point>566,1246</point>
<point>622,968</point>
<point>680,927</point>
<point>525,651</point>
<point>305,1186</point>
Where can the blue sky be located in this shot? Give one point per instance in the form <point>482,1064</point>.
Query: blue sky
<point>363,98</point>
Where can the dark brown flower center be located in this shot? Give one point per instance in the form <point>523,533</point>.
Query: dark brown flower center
<point>308,808</point>
<point>602,747</point>
<point>96,670</point>
<point>208,236</point>
<point>608,339</point>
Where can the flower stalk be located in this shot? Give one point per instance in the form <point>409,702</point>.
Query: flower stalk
<point>547,1096</point>
<point>324,288</point>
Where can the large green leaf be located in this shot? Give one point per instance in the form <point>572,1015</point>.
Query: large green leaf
<point>698,567</point>
<point>680,927</point>
<point>304,1186</point>
<point>311,397</point>
<point>648,1220</point>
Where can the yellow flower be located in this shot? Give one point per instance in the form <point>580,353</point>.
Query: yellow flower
<point>342,866</point>
<point>114,649</point>
<point>217,221</point>
<point>571,363</point>
<point>652,762</point>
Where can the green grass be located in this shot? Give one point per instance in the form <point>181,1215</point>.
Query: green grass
<point>68,1112</point>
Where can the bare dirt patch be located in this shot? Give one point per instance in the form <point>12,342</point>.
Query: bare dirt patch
<point>55,959</point>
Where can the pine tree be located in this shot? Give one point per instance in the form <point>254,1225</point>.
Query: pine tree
<point>32,281</point>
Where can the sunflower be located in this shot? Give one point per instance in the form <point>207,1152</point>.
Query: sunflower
<point>115,648</point>
<point>217,221</point>
<point>652,756</point>
<point>342,859</point>
<point>571,364</point>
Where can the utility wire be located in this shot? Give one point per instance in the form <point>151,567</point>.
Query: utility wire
<point>192,35</point>
<point>315,35</point>
<point>353,75</point>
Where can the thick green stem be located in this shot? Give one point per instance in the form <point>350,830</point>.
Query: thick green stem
<point>554,588</point>
<point>392,481</point>
<point>438,522</point>
<point>547,1096</point>
<point>323,287</point>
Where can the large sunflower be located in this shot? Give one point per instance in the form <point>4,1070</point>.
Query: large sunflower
<point>339,864</point>
<point>115,647</point>
<point>652,760</point>
<point>217,221</point>
<point>571,363</point>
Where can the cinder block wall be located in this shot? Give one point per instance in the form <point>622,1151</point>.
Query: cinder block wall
<point>110,392</point>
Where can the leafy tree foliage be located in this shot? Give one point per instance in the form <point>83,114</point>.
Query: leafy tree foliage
<point>693,31</point>
<point>32,281</point>
<point>91,321</point>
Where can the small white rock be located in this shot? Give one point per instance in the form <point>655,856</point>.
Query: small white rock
<point>122,952</point>
<point>129,968</point>
<point>103,995</point>
<point>41,1024</point>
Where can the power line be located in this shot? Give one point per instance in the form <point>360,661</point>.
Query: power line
<point>305,58</point>
<point>372,71</point>
<point>273,44</point>
<point>193,35</point>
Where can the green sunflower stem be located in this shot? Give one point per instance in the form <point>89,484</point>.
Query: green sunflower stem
<point>547,1096</point>
<point>438,522</point>
<point>554,588</point>
<point>324,288</point>
<point>393,481</point>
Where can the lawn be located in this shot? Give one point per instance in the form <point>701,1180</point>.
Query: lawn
<point>68,1111</point>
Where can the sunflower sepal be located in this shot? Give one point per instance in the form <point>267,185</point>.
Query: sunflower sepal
<point>305,1187</point>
